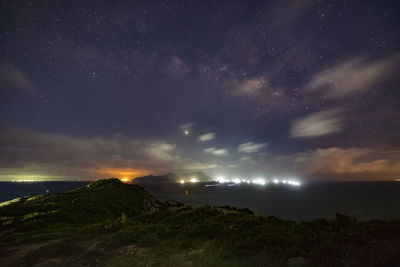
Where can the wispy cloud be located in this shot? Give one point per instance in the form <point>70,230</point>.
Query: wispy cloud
<point>206,137</point>
<point>341,160</point>
<point>215,151</point>
<point>187,126</point>
<point>318,124</point>
<point>390,152</point>
<point>15,77</point>
<point>251,147</point>
<point>338,160</point>
<point>355,75</point>
<point>334,163</point>
<point>200,166</point>
<point>161,151</point>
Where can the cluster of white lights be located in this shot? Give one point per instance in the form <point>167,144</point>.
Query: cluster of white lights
<point>258,181</point>
<point>191,180</point>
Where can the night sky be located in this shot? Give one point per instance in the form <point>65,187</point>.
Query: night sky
<point>96,89</point>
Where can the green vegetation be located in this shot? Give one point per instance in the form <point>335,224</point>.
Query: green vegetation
<point>108,223</point>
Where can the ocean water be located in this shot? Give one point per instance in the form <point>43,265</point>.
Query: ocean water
<point>367,200</point>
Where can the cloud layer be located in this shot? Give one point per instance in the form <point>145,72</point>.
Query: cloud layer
<point>355,75</point>
<point>85,157</point>
<point>206,137</point>
<point>216,151</point>
<point>15,78</point>
<point>341,163</point>
<point>318,124</point>
<point>28,153</point>
<point>251,147</point>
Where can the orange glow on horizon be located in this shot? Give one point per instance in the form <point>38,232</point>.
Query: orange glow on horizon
<point>125,180</point>
<point>124,174</point>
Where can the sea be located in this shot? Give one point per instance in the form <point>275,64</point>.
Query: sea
<point>365,200</point>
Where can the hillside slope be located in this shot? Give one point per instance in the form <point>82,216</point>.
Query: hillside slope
<point>98,201</point>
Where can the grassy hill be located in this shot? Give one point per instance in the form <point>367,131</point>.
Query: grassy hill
<point>108,223</point>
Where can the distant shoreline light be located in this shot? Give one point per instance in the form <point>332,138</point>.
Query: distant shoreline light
<point>27,181</point>
<point>258,181</point>
<point>190,180</point>
<point>194,180</point>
